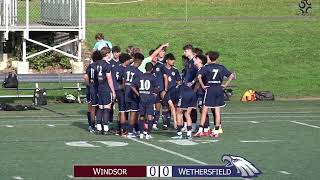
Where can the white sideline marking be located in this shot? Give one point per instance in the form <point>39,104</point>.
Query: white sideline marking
<point>254,122</point>
<point>305,124</point>
<point>270,112</point>
<point>254,117</point>
<point>259,141</point>
<point>169,151</point>
<point>51,125</point>
<point>9,126</point>
<point>126,2</point>
<point>284,172</point>
<point>69,176</point>
<point>17,177</point>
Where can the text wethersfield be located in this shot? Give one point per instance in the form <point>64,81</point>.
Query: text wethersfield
<point>201,171</point>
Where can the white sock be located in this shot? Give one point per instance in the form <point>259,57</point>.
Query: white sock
<point>200,129</point>
<point>189,133</point>
<point>206,129</point>
<point>185,125</point>
<point>179,133</point>
<point>99,127</point>
<point>154,125</point>
<point>105,128</point>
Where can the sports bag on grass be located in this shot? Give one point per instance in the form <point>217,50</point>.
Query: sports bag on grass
<point>264,96</point>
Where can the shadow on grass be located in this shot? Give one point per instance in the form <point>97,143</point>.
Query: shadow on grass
<point>81,125</point>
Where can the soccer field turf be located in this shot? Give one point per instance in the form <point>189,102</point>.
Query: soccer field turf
<point>280,138</point>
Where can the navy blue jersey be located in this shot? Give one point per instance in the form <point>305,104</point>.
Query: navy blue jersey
<point>116,69</point>
<point>158,71</point>
<point>173,77</point>
<point>90,73</point>
<point>214,74</point>
<point>148,87</point>
<point>130,73</point>
<point>101,69</point>
<point>189,72</point>
<point>201,71</point>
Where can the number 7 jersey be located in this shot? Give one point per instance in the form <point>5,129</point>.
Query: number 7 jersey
<point>214,74</point>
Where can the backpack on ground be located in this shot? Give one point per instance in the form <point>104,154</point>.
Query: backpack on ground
<point>11,81</point>
<point>249,96</point>
<point>40,97</point>
<point>264,96</point>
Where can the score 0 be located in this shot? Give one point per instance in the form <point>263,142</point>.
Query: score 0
<point>159,171</point>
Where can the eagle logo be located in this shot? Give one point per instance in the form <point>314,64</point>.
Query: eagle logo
<point>173,73</point>
<point>244,167</point>
<point>157,69</point>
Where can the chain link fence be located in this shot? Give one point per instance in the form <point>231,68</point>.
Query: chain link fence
<point>41,12</point>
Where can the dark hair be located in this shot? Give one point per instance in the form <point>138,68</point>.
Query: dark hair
<point>99,36</point>
<point>213,55</point>
<point>198,51</point>
<point>124,57</point>
<point>138,57</point>
<point>116,49</point>
<point>164,48</point>
<point>96,56</point>
<point>151,52</point>
<point>188,46</point>
<point>149,66</point>
<point>169,56</point>
<point>203,58</point>
<point>104,51</point>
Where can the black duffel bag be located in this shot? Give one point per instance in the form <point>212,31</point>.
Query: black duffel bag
<point>264,96</point>
<point>11,81</point>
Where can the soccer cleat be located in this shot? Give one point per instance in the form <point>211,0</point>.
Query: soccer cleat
<point>155,128</point>
<point>91,130</point>
<point>131,135</point>
<point>189,137</point>
<point>199,134</point>
<point>148,136</point>
<point>164,127</point>
<point>141,136</point>
<point>214,134</point>
<point>184,129</point>
<point>220,130</point>
<point>177,137</point>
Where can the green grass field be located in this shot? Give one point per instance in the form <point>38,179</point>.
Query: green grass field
<point>33,143</point>
<point>268,44</point>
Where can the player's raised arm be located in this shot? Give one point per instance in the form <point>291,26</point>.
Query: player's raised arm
<point>157,51</point>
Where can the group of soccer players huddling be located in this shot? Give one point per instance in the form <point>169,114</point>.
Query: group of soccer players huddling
<point>144,88</point>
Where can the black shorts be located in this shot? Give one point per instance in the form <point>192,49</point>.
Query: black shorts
<point>120,100</point>
<point>158,97</point>
<point>132,106</point>
<point>93,96</point>
<point>146,109</point>
<point>214,97</point>
<point>104,97</point>
<point>173,95</point>
<point>187,98</point>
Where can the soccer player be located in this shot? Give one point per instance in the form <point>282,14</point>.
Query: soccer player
<point>214,97</point>
<point>92,91</point>
<point>169,96</point>
<point>132,72</point>
<point>106,93</point>
<point>147,91</point>
<point>189,75</point>
<point>200,61</point>
<point>125,60</point>
<point>152,57</point>
<point>117,81</point>
<point>101,43</point>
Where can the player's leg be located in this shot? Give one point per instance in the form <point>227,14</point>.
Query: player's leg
<point>173,114</point>
<point>187,114</point>
<point>150,124</point>
<point>122,111</point>
<point>194,118</point>
<point>142,112</point>
<point>107,104</point>
<point>179,120</point>
<point>217,112</point>
<point>202,121</point>
<point>157,112</point>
